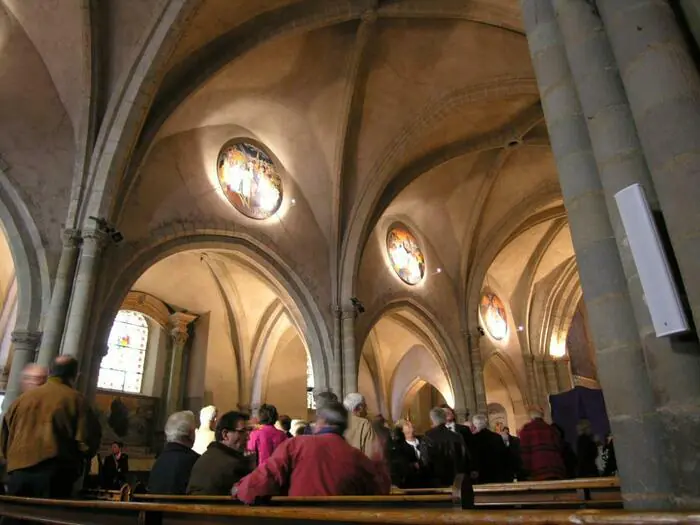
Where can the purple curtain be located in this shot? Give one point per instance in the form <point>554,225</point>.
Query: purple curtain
<point>568,408</point>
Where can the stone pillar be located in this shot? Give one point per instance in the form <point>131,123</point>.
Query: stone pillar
<point>564,378</point>
<point>94,242</point>
<point>621,366</point>
<point>179,335</point>
<point>336,379</point>
<point>24,344</point>
<point>350,360</point>
<point>550,373</point>
<point>620,160</point>
<point>60,298</point>
<point>532,392</point>
<point>541,383</point>
<point>663,87</point>
<point>477,372</point>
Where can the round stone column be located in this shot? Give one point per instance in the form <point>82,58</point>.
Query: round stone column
<point>550,373</point>
<point>663,87</point>
<point>336,372</point>
<point>24,344</point>
<point>477,372</point>
<point>350,361</point>
<point>564,378</point>
<point>60,298</point>
<point>621,364</point>
<point>79,317</point>
<point>620,159</point>
<point>179,335</point>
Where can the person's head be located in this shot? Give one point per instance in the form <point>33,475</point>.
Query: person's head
<point>584,428</point>
<point>407,428</point>
<point>332,416</point>
<point>207,417</point>
<point>449,413</point>
<point>324,398</point>
<point>355,403</point>
<point>180,428</point>
<point>438,417</point>
<point>379,421</point>
<point>33,375</point>
<point>506,431</point>
<point>480,422</point>
<point>498,428</point>
<point>117,447</point>
<point>232,430</point>
<point>65,368</point>
<point>536,413</point>
<point>285,422</point>
<point>302,428</point>
<point>267,414</point>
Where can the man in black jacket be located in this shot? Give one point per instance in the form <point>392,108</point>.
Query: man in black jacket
<point>445,454</point>
<point>171,471</point>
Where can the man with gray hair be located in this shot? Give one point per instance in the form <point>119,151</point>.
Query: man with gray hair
<point>171,471</point>
<point>320,465</point>
<point>445,452</point>
<point>491,461</point>
<point>360,433</point>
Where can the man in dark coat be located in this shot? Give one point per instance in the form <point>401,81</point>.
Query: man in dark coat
<point>171,471</point>
<point>224,463</point>
<point>115,468</point>
<point>490,453</point>
<point>445,452</point>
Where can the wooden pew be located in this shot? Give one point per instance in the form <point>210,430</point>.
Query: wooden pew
<point>129,513</point>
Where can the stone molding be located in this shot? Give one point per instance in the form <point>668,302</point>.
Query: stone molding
<point>71,238</point>
<point>179,321</point>
<point>148,305</point>
<point>26,339</point>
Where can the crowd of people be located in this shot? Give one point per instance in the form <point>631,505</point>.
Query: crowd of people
<point>49,434</point>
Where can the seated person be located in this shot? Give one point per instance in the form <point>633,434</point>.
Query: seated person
<point>224,462</point>
<point>323,464</point>
<point>171,471</point>
<point>265,439</point>
<point>115,468</point>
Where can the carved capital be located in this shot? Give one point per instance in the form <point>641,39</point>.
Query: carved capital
<point>26,340</point>
<point>348,314</point>
<point>71,238</point>
<point>179,321</point>
<point>95,240</point>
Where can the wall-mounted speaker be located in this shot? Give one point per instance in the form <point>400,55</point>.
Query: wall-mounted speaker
<point>660,290</point>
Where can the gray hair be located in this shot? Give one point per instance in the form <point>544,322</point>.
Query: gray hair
<point>180,426</point>
<point>324,398</point>
<point>353,401</point>
<point>480,421</point>
<point>438,416</point>
<point>536,413</point>
<point>334,415</point>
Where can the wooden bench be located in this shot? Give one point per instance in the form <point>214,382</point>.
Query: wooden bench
<point>130,513</point>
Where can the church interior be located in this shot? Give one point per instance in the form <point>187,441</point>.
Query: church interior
<point>234,202</point>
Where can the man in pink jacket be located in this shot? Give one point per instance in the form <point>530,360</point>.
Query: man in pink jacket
<point>267,438</point>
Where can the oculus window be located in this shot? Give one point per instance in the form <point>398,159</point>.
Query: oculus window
<point>249,179</point>
<point>405,255</point>
<point>493,315</point>
<point>122,368</point>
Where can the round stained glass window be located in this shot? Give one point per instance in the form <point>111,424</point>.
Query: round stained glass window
<point>405,255</point>
<point>249,179</point>
<point>493,315</point>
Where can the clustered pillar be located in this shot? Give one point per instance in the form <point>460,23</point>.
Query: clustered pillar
<point>179,335</point>
<point>621,363</point>
<point>24,345</point>
<point>477,372</point>
<point>349,357</point>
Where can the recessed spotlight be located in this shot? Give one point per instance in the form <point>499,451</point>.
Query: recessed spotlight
<point>521,328</point>
<point>294,201</point>
<point>438,270</point>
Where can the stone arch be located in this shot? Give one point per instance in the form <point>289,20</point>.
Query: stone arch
<point>302,308</point>
<point>28,255</point>
<point>503,368</point>
<point>426,326</point>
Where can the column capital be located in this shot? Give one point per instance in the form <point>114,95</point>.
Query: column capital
<point>95,239</point>
<point>179,321</point>
<point>347,314</point>
<point>71,238</point>
<point>25,338</point>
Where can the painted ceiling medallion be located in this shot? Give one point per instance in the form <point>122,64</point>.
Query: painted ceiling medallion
<point>405,255</point>
<point>493,315</point>
<point>249,179</point>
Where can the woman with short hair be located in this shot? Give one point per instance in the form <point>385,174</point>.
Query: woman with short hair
<point>264,440</point>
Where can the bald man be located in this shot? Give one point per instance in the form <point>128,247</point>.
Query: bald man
<point>33,376</point>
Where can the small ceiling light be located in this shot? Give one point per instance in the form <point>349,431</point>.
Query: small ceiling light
<point>439,270</point>
<point>294,201</point>
<point>521,328</point>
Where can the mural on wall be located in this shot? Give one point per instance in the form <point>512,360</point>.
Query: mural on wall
<point>122,368</point>
<point>405,255</point>
<point>128,418</point>
<point>249,179</point>
<point>493,315</point>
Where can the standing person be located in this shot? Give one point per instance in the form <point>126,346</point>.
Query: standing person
<point>33,376</point>
<point>44,436</point>
<point>444,451</point>
<point>360,433</point>
<point>115,468</point>
<point>512,443</point>
<point>324,464</point>
<point>609,459</point>
<point>224,463</point>
<point>586,451</point>
<point>265,439</point>
<point>490,460</point>
<point>171,471</point>
<point>541,450</point>
<point>463,430</point>
<point>405,457</point>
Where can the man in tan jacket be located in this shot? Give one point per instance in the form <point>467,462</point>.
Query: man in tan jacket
<point>360,433</point>
<point>44,437</point>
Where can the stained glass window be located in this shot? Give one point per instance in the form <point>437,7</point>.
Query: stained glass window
<point>310,401</point>
<point>405,255</point>
<point>122,368</point>
<point>493,315</point>
<point>249,180</point>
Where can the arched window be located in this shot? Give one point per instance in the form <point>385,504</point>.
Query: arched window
<point>310,401</point>
<point>122,368</point>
